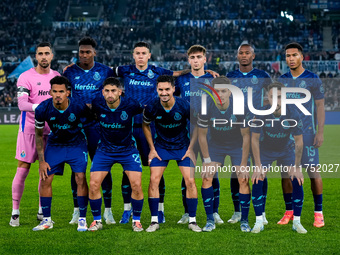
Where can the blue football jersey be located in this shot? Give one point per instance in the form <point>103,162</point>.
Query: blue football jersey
<point>141,85</point>
<point>312,82</point>
<point>116,124</point>
<point>66,126</point>
<point>87,84</point>
<point>224,134</point>
<point>257,79</point>
<point>276,134</point>
<point>171,126</point>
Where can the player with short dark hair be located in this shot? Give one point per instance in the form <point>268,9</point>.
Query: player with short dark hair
<point>115,115</point>
<point>189,86</point>
<point>66,144</point>
<point>33,88</point>
<point>87,79</point>
<point>276,144</point>
<point>248,77</point>
<point>170,115</point>
<point>298,76</point>
<point>224,139</point>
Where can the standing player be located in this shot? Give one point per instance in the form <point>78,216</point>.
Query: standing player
<point>171,115</point>
<point>248,77</point>
<point>66,144</point>
<point>86,80</point>
<point>189,86</point>
<point>224,139</point>
<point>33,87</point>
<point>115,115</point>
<point>276,145</point>
<point>312,134</point>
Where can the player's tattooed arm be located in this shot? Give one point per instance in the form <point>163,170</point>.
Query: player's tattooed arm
<point>245,145</point>
<point>255,145</point>
<point>320,112</point>
<point>296,171</point>
<point>43,165</point>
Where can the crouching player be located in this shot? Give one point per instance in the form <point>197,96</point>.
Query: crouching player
<point>117,145</point>
<point>171,115</point>
<point>276,145</point>
<point>231,139</point>
<point>66,144</point>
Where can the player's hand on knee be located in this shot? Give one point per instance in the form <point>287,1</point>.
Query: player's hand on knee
<point>209,170</point>
<point>43,168</point>
<point>153,154</point>
<point>296,172</point>
<point>243,173</point>
<point>258,174</point>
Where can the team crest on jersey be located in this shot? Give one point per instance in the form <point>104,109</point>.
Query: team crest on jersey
<point>233,118</point>
<point>124,115</point>
<point>103,115</point>
<point>151,74</point>
<point>207,81</point>
<point>177,116</point>
<point>285,124</point>
<point>254,80</point>
<point>96,76</point>
<point>23,154</point>
<point>72,117</point>
<point>322,90</point>
<point>303,84</point>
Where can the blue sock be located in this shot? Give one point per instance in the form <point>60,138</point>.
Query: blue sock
<point>257,198</point>
<point>235,187</point>
<point>161,188</point>
<point>46,203</point>
<point>184,195</point>
<point>74,189</point>
<point>96,208</point>
<point>208,202</point>
<point>107,190</point>
<point>216,186</point>
<point>297,197</point>
<point>264,193</point>
<point>192,206</point>
<point>83,201</point>
<point>317,203</point>
<point>126,189</point>
<point>245,204</point>
<point>137,206</point>
<point>153,205</point>
<point>288,201</point>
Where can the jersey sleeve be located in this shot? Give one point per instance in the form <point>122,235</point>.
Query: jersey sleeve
<point>163,71</point>
<point>202,121</point>
<point>39,116</point>
<point>178,84</point>
<point>317,89</point>
<point>137,107</point>
<point>120,71</point>
<point>23,93</point>
<point>148,114</point>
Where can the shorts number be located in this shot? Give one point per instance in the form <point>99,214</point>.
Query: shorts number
<point>310,151</point>
<point>136,157</point>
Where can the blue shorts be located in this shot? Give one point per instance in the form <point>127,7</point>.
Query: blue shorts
<point>218,154</point>
<point>283,158</point>
<point>103,161</point>
<point>57,156</point>
<point>93,137</point>
<point>142,143</point>
<point>167,155</point>
<point>310,155</point>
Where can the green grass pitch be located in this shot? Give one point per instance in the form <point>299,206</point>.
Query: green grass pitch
<point>171,238</point>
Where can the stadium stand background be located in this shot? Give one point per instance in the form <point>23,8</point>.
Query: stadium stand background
<point>172,27</point>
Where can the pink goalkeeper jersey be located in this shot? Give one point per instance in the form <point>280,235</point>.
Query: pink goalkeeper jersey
<point>33,88</point>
